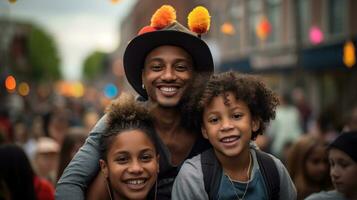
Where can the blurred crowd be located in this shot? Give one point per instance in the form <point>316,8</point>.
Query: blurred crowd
<point>39,135</point>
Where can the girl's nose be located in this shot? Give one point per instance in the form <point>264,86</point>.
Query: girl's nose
<point>135,167</point>
<point>226,125</point>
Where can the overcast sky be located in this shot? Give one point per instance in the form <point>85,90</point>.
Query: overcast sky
<point>79,26</point>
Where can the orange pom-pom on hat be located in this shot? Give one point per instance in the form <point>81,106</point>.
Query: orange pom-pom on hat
<point>199,20</point>
<point>163,17</point>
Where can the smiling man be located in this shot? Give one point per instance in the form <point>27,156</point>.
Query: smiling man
<point>160,65</point>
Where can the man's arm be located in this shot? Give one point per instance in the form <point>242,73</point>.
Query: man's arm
<point>83,168</point>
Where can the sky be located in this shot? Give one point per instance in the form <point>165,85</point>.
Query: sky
<point>79,27</point>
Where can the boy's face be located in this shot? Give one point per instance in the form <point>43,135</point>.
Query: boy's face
<point>132,165</point>
<point>166,74</point>
<point>343,171</point>
<point>228,125</point>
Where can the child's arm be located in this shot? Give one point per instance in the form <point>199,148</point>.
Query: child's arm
<point>83,167</point>
<point>189,181</point>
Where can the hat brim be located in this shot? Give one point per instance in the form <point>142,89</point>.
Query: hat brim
<point>139,47</point>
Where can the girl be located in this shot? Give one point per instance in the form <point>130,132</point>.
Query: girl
<point>233,109</point>
<point>308,166</point>
<point>343,169</point>
<point>129,159</point>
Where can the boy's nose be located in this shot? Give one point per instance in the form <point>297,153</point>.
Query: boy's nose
<point>226,125</point>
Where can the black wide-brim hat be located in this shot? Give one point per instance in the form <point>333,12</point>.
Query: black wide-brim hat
<point>175,35</point>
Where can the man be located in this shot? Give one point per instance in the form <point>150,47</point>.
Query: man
<point>160,66</point>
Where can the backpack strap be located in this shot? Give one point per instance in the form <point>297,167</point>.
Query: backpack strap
<point>270,174</point>
<point>212,173</point>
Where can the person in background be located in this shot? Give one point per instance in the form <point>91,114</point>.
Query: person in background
<point>73,140</point>
<point>233,109</point>
<point>342,154</point>
<point>17,178</point>
<point>285,128</point>
<point>308,166</point>
<point>46,158</point>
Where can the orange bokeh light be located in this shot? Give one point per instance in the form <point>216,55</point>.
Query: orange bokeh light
<point>10,83</point>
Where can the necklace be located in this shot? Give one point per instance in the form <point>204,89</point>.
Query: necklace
<point>246,187</point>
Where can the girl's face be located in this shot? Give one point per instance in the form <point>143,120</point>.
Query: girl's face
<point>132,165</point>
<point>343,171</point>
<point>316,164</point>
<point>228,127</point>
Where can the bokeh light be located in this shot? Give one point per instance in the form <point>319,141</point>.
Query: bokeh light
<point>349,54</point>
<point>316,36</point>
<point>78,89</point>
<point>24,89</point>
<point>228,28</point>
<point>10,83</point>
<point>110,91</point>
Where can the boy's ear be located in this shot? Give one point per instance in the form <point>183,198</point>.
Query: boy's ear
<point>158,163</point>
<point>255,124</point>
<point>104,168</point>
<point>204,132</point>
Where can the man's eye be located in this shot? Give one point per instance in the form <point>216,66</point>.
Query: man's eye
<point>156,67</point>
<point>181,68</point>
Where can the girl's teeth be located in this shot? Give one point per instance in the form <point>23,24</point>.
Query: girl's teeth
<point>136,182</point>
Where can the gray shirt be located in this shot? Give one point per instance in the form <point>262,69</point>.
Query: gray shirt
<point>189,182</point>
<point>329,195</point>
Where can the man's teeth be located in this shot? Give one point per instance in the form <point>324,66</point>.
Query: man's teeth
<point>168,89</point>
<point>136,182</point>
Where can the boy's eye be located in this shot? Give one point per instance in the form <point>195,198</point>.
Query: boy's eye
<point>237,116</point>
<point>213,120</point>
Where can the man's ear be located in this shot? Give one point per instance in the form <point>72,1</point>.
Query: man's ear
<point>204,132</point>
<point>255,124</point>
<point>104,168</point>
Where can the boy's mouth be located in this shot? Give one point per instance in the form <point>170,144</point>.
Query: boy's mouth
<point>230,139</point>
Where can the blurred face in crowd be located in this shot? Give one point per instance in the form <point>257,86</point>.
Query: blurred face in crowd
<point>132,165</point>
<point>343,171</point>
<point>317,164</point>
<point>166,74</point>
<point>228,125</point>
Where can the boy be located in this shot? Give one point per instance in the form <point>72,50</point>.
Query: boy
<point>233,109</point>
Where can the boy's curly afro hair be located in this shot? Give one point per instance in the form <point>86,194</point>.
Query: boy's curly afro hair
<point>260,100</point>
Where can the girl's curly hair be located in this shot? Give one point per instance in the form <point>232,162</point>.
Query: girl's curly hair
<point>125,114</point>
<point>260,100</point>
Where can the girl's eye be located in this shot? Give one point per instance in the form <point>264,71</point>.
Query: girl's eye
<point>146,157</point>
<point>122,159</point>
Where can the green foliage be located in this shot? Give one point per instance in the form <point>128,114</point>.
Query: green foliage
<point>43,56</point>
<point>93,65</point>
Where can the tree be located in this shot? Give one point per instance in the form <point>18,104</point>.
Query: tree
<point>94,65</point>
<point>42,55</point>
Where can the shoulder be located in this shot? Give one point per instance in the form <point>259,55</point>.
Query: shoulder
<point>326,195</point>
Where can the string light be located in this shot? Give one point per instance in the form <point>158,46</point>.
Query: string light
<point>10,83</point>
<point>228,28</point>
